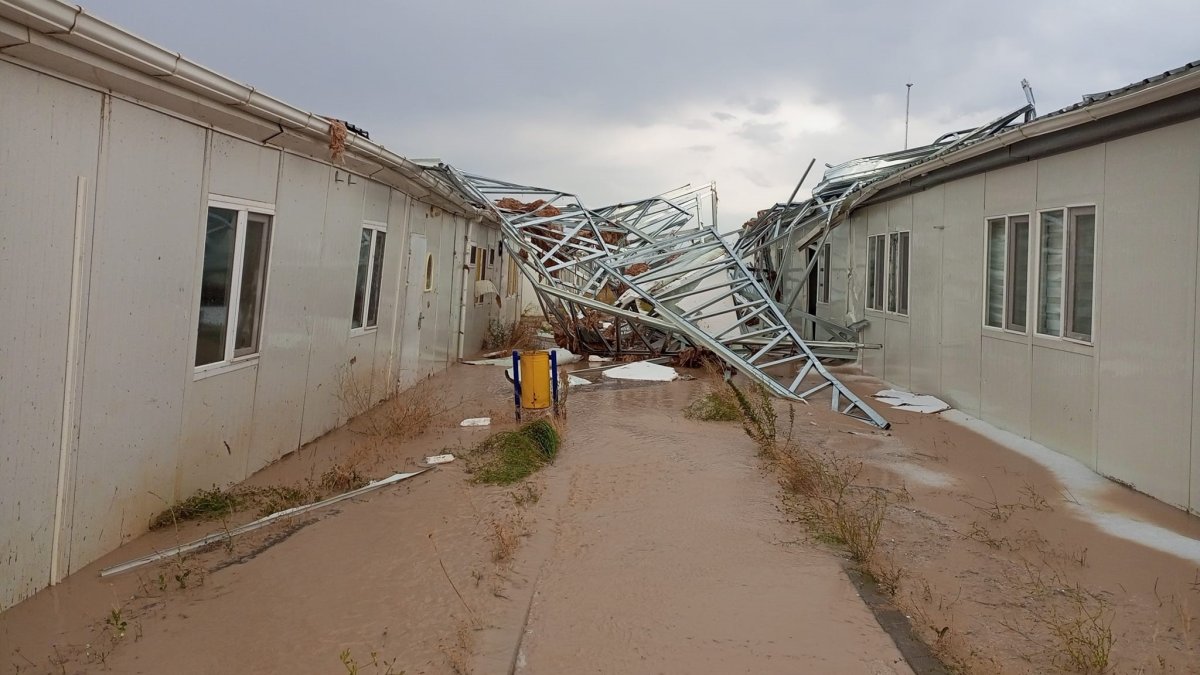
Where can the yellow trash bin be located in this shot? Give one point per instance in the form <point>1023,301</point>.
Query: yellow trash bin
<point>535,380</point>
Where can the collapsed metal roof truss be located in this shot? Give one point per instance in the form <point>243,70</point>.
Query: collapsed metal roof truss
<point>650,277</point>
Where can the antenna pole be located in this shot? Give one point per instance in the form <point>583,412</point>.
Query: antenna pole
<point>907,101</point>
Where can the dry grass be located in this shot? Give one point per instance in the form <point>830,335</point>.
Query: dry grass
<point>221,503</point>
<point>505,541</point>
<point>1067,624</point>
<point>517,335</point>
<point>406,414</point>
<point>375,665</point>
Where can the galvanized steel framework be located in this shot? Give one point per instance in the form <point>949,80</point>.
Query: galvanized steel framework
<point>650,277</point>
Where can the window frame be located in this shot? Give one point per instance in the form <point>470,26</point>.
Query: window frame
<point>889,300</point>
<point>376,228</point>
<point>232,360</point>
<point>823,261</point>
<point>1069,237</point>
<point>1032,281</point>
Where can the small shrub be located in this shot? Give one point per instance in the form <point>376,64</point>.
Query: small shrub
<point>520,335</point>
<point>204,505</point>
<point>718,405</point>
<point>510,456</point>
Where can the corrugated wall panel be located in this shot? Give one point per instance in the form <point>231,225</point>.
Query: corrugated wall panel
<point>51,131</point>
<point>896,357</point>
<point>287,320</point>
<point>391,299</point>
<point>140,322</point>
<point>1146,339</point>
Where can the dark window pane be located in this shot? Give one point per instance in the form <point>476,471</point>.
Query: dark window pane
<point>902,293</point>
<point>376,281</point>
<point>872,274</point>
<point>1018,294</point>
<point>893,251</point>
<point>254,284</point>
<point>1083,254</point>
<point>360,285</point>
<point>215,284</point>
<point>1050,277</point>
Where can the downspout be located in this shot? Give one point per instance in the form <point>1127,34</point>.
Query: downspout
<point>466,272</point>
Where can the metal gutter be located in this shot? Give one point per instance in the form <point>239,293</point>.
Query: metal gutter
<point>74,26</point>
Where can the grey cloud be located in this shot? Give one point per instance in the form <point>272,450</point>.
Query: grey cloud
<point>763,106</point>
<point>724,116</point>
<point>762,133</point>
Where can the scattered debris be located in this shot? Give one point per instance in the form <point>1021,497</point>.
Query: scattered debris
<point>903,400</point>
<point>475,422</point>
<point>563,356</point>
<point>225,535</point>
<point>439,459</point>
<point>597,359</point>
<point>574,381</point>
<point>642,370</point>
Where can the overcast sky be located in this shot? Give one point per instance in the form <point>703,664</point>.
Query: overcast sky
<point>616,100</point>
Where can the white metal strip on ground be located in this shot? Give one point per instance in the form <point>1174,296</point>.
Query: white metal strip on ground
<point>254,525</point>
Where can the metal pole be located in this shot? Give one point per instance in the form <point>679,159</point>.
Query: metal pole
<point>907,100</point>
<point>517,383</point>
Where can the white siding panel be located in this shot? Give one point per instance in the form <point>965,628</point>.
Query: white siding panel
<point>215,444</point>
<point>962,293</point>
<point>1005,384</point>
<point>51,131</point>
<point>287,324</point>
<point>241,169</point>
<point>332,287</point>
<point>1148,288</point>
<point>1063,387</point>
<point>925,295</point>
<point>141,318</point>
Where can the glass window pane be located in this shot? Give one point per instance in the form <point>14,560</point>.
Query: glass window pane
<point>360,285</point>
<point>902,274</point>
<point>1083,253</point>
<point>872,273</point>
<point>376,280</point>
<point>1018,272</point>
<point>893,250</point>
<point>254,278</point>
<point>215,284</point>
<point>995,273</point>
<point>429,271</point>
<point>1050,275</point>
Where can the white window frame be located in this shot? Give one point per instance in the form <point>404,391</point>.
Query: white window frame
<point>1068,277</point>
<point>1031,283</point>
<point>375,227</point>
<point>231,361</point>
<point>884,307</point>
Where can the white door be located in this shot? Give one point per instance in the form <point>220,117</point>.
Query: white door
<point>410,331</point>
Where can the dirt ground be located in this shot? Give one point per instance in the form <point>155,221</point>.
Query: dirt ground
<point>653,544</point>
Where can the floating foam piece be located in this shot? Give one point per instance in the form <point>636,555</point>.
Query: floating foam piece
<point>439,459</point>
<point>642,370</point>
<point>475,422</point>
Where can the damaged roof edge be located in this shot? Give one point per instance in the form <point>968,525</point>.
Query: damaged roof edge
<point>73,27</point>
<point>1117,113</point>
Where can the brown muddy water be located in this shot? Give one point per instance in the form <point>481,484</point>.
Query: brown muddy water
<point>653,544</point>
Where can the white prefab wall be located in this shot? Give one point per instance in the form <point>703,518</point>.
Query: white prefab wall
<point>103,212</point>
<point>1126,404</point>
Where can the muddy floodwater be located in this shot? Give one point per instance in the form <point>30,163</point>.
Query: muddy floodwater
<point>653,544</point>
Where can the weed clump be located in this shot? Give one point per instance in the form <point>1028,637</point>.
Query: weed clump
<point>204,505</point>
<point>715,406</point>
<point>510,456</point>
<point>520,334</point>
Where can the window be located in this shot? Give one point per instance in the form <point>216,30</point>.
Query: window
<point>1067,273</point>
<point>1007,273</point>
<point>875,259</point>
<point>369,281</point>
<point>888,258</point>
<point>823,275</point>
<point>233,282</point>
<point>428,271</point>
